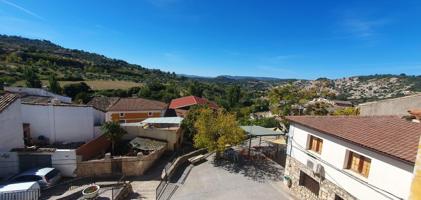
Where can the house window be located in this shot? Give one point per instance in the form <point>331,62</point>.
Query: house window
<point>309,183</point>
<point>315,144</point>
<point>337,197</point>
<point>121,114</point>
<point>149,114</point>
<point>359,163</point>
<point>121,121</point>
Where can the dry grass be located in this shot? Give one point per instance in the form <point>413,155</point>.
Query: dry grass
<point>105,84</point>
<point>95,84</point>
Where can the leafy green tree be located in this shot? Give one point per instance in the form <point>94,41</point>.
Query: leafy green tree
<point>73,89</point>
<point>347,111</point>
<point>233,95</point>
<point>216,130</point>
<point>54,85</point>
<point>31,78</point>
<point>318,108</point>
<point>195,89</point>
<point>113,132</point>
<point>187,125</point>
<point>82,98</point>
<point>13,58</point>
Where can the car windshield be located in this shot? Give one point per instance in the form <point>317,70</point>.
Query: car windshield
<point>51,174</point>
<point>26,178</point>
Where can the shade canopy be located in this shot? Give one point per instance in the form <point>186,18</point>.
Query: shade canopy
<point>163,120</point>
<point>147,144</point>
<point>280,141</point>
<point>260,131</point>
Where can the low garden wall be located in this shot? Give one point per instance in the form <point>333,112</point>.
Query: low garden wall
<point>130,165</point>
<point>180,160</point>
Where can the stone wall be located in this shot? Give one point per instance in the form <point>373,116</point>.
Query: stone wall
<point>328,190</point>
<point>135,166</point>
<point>130,165</point>
<point>94,168</point>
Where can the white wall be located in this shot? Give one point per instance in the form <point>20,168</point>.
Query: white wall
<point>99,117</point>
<point>11,127</point>
<point>60,123</point>
<point>9,164</point>
<point>385,173</point>
<point>65,161</point>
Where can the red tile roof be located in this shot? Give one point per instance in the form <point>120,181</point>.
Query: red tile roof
<point>190,101</point>
<point>389,135</point>
<point>137,104</point>
<point>6,100</point>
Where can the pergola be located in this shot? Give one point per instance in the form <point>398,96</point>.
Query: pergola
<point>258,131</point>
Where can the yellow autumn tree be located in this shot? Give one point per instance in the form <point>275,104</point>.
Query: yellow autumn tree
<point>216,130</point>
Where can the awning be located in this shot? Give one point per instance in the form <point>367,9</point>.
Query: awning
<point>260,131</point>
<point>147,144</point>
<point>163,120</point>
<point>280,141</point>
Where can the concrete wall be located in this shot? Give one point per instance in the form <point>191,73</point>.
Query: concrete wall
<point>65,161</point>
<point>60,123</point>
<point>62,159</point>
<point>9,164</point>
<point>172,135</point>
<point>391,175</point>
<point>37,92</point>
<point>11,127</point>
<point>397,106</point>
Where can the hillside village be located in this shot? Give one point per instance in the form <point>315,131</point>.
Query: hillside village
<point>115,143</point>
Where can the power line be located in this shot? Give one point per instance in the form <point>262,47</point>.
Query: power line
<point>374,188</point>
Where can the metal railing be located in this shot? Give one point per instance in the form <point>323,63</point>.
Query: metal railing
<point>18,195</point>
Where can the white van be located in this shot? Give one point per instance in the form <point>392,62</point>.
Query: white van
<point>20,191</point>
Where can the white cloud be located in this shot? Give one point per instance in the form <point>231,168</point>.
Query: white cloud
<point>22,9</point>
<point>363,28</point>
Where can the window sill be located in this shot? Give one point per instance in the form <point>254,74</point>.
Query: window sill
<point>314,153</point>
<point>355,174</point>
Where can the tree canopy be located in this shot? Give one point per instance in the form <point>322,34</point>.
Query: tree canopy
<point>216,130</point>
<point>113,132</point>
<point>31,78</point>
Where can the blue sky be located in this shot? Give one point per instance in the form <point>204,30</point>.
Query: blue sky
<point>285,39</point>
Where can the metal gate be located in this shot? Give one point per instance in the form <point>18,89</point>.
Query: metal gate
<point>34,161</point>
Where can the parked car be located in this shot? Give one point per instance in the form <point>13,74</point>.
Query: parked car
<point>45,177</point>
<point>20,191</point>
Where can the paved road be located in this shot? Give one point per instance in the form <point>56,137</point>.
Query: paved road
<point>225,180</point>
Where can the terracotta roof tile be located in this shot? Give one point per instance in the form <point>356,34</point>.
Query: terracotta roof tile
<point>190,101</point>
<point>103,103</point>
<point>137,104</point>
<point>390,135</point>
<point>6,100</point>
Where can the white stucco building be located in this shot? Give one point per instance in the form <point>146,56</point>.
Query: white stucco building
<point>59,122</point>
<point>11,131</point>
<point>351,157</point>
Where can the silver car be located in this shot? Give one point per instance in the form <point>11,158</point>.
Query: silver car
<point>45,177</point>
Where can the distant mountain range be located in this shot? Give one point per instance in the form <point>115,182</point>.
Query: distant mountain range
<point>77,65</point>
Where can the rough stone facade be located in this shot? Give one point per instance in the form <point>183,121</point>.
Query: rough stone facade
<point>328,190</point>
<point>130,165</point>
